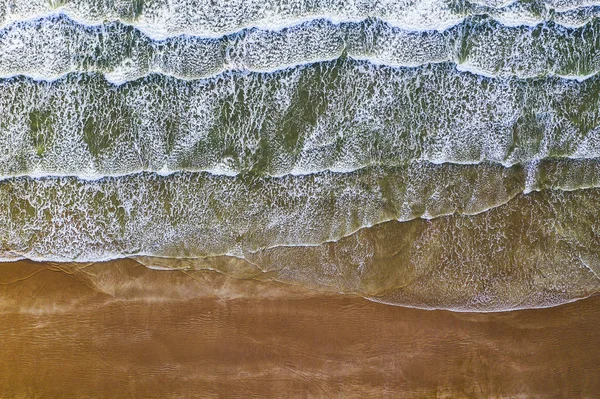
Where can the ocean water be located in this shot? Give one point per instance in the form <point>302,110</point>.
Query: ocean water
<point>435,154</point>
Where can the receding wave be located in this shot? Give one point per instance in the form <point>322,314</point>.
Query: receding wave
<point>51,48</point>
<point>338,116</point>
<point>193,215</point>
<point>538,250</point>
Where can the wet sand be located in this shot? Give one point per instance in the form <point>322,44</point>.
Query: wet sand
<point>118,329</point>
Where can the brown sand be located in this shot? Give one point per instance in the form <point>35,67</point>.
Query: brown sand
<point>117,329</point>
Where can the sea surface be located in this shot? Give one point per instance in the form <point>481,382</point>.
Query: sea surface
<point>435,154</point>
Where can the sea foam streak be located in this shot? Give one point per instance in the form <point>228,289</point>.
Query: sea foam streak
<point>339,116</point>
<point>161,19</point>
<point>192,214</point>
<point>51,48</point>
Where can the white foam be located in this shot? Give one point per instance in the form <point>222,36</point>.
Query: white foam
<point>161,20</point>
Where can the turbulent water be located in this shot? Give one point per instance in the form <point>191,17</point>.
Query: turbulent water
<point>439,154</point>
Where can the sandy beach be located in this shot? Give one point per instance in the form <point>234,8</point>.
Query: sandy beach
<point>118,329</point>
